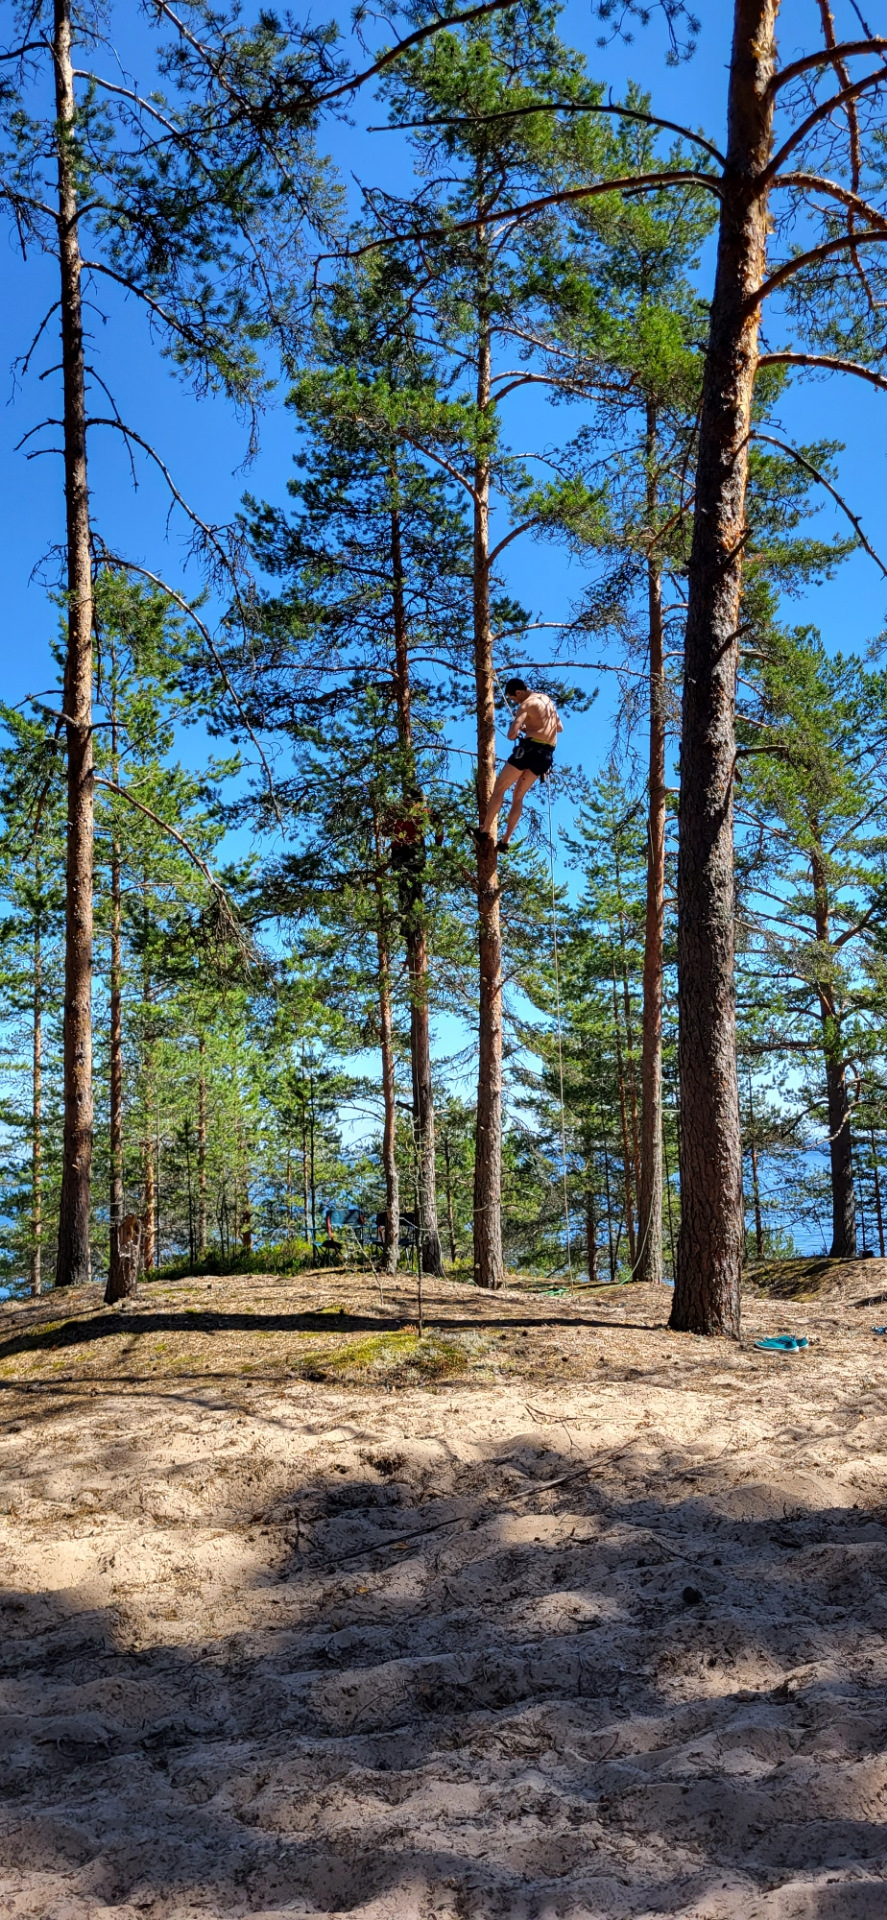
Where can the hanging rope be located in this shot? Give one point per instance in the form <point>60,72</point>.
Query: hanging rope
<point>560,1041</point>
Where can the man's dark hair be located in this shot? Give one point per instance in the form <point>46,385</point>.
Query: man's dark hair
<point>515,686</point>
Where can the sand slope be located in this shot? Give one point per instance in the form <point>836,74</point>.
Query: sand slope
<point>594,1627</point>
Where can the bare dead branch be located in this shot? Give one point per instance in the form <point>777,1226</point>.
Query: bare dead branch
<point>826,107</point>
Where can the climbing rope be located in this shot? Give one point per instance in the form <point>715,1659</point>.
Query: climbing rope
<point>560,1040</point>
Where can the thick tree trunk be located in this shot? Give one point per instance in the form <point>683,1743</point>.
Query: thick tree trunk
<point>37,1107</point>
<point>73,1265</point>
<point>489,1270</point>
<point>649,1261</point>
<point>626,1144</point>
<point>149,1179</point>
<point>707,1290</point>
<point>389,1086</point>
<point>201,1148</point>
<point>412,906</point>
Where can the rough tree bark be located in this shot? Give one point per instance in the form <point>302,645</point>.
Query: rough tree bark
<point>707,1289</point>
<point>201,1148</point>
<point>73,1264</point>
<point>149,1180</point>
<point>412,905</point>
<point>389,1088</point>
<point>37,1101</point>
<point>649,1261</point>
<point>843,1245</point>
<point>489,1268</point>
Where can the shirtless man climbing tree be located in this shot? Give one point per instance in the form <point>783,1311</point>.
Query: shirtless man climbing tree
<point>535,727</point>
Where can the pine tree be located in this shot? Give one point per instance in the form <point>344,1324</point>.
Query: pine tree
<point>171,200</point>
<point>371,567</point>
<point>31,947</point>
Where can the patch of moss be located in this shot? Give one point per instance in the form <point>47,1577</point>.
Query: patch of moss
<point>399,1358</point>
<point>792,1279</point>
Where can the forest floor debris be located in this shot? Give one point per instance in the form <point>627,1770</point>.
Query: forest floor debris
<point>549,1614</point>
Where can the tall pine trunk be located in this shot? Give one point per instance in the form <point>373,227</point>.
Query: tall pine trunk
<point>489,1268</point>
<point>73,1264</point>
<point>843,1245</point>
<point>626,1143</point>
<point>149,1180</point>
<point>649,1261</point>
<point>707,1289</point>
<point>389,1086</point>
<point>37,1102</point>
<point>412,905</point>
<point>201,1147</point>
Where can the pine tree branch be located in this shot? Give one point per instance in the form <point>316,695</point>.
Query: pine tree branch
<point>123,793</point>
<point>512,216</point>
<point>312,101</point>
<point>818,183</point>
<point>524,527</point>
<point>808,62</point>
<point>829,362</point>
<point>826,107</point>
<point>802,260</point>
<point>836,496</point>
<point>203,630</point>
<point>558,106</point>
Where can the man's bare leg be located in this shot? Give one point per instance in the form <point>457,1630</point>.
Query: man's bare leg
<point>522,787</point>
<point>505,779</point>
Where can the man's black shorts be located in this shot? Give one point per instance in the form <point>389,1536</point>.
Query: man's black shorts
<point>532,756</point>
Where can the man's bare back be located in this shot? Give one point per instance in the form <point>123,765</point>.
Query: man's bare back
<point>535,727</point>
<point>537,717</point>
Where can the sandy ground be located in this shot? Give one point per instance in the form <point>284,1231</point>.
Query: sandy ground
<point>554,1615</point>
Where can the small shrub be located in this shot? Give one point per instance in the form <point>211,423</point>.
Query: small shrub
<point>293,1257</point>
